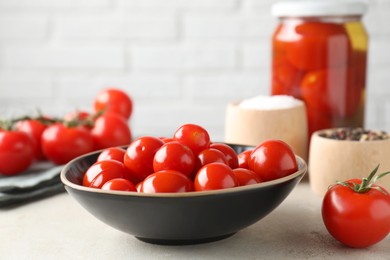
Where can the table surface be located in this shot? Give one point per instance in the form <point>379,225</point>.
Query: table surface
<point>59,227</point>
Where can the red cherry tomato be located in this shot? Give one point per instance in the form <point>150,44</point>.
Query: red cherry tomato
<point>215,176</point>
<point>243,159</point>
<point>119,184</point>
<point>167,181</point>
<point>60,143</point>
<point>194,136</point>
<point>321,91</point>
<point>101,172</point>
<point>246,177</point>
<point>16,152</point>
<point>139,156</point>
<point>209,155</point>
<point>357,219</point>
<point>110,130</point>
<point>286,78</point>
<point>34,128</point>
<point>229,153</point>
<point>273,159</point>
<point>114,100</point>
<point>174,156</point>
<point>319,45</point>
<point>112,153</point>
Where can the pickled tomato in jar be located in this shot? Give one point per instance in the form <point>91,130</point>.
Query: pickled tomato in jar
<point>319,55</point>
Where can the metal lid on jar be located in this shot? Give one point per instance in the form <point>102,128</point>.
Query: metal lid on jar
<point>305,8</point>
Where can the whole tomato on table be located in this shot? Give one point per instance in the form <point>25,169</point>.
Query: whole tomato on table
<point>17,151</point>
<point>62,143</point>
<point>35,129</point>
<point>114,100</point>
<point>110,130</point>
<point>357,212</point>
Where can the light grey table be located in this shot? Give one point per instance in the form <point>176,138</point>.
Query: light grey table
<point>59,228</point>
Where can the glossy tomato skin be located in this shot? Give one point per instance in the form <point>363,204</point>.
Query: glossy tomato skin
<point>110,130</point>
<point>112,153</point>
<point>229,153</point>
<point>174,156</point>
<point>207,156</point>
<point>215,176</point>
<point>246,177</point>
<point>194,136</point>
<point>356,219</point>
<point>119,184</point>
<point>35,129</point>
<point>319,45</point>
<point>273,159</point>
<point>114,100</point>
<point>139,156</point>
<point>101,172</point>
<point>167,181</point>
<point>243,159</point>
<point>16,152</point>
<point>60,143</point>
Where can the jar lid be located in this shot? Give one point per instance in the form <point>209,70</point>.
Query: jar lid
<point>305,8</point>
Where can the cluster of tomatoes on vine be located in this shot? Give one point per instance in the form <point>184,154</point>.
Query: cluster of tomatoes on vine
<point>28,139</point>
<point>187,162</point>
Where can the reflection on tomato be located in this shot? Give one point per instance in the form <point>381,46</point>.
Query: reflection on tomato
<point>319,45</point>
<point>243,159</point>
<point>115,101</point>
<point>101,172</point>
<point>331,91</point>
<point>139,156</point>
<point>110,130</point>
<point>194,136</point>
<point>174,156</point>
<point>16,152</point>
<point>246,176</point>
<point>215,176</point>
<point>61,143</point>
<point>273,159</point>
<point>112,153</point>
<point>119,184</point>
<point>229,153</point>
<point>167,181</point>
<point>34,128</point>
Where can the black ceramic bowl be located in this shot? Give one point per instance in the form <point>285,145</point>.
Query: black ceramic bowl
<point>179,218</point>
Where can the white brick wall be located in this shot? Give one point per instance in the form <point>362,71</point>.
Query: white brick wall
<point>181,60</point>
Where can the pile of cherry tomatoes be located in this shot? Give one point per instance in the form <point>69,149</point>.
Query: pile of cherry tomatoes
<point>186,162</point>
<point>26,140</point>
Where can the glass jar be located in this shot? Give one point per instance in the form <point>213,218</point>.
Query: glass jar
<point>319,55</point>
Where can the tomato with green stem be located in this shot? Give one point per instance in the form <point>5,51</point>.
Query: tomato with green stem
<point>62,143</point>
<point>114,100</point>
<point>35,129</point>
<point>356,212</point>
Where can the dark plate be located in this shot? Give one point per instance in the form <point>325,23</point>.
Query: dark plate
<point>179,218</point>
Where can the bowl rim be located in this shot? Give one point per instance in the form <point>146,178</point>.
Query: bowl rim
<point>302,169</point>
